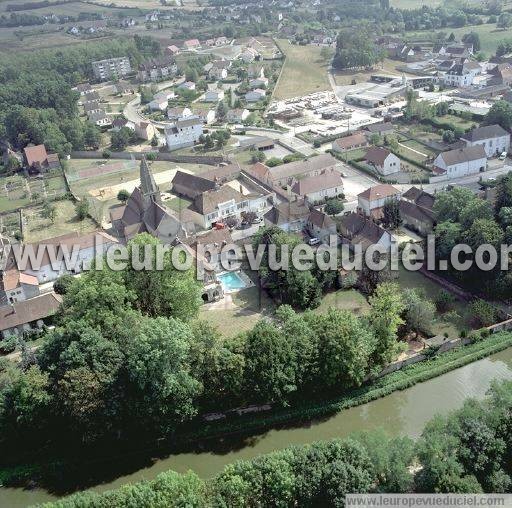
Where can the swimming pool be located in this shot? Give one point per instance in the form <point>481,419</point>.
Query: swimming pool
<point>231,281</point>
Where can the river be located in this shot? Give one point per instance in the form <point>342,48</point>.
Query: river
<point>401,413</point>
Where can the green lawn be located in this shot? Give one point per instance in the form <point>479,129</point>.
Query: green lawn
<point>414,4</point>
<point>349,299</point>
<point>304,72</point>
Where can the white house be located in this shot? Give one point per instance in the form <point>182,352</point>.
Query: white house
<point>214,94</point>
<point>184,132</point>
<point>158,104</point>
<point>258,83</point>
<point>494,138</point>
<point>462,75</point>
<point>319,188</point>
<point>188,85</point>
<point>237,115</point>
<point>371,201</point>
<point>178,112</point>
<point>248,55</point>
<point>207,116</point>
<point>255,95</point>
<point>461,162</point>
<point>384,162</point>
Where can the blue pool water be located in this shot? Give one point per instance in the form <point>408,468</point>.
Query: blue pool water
<point>231,281</point>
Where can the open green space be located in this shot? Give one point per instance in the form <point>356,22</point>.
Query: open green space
<point>304,71</point>
<point>344,299</point>
<point>37,227</point>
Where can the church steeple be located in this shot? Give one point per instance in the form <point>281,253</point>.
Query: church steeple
<point>148,186</point>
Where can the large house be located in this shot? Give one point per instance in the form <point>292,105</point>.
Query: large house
<point>191,44</point>
<point>317,189</point>
<point>213,94</point>
<point>144,212</point>
<point>27,315</point>
<point>16,286</point>
<point>321,226</point>
<point>184,132</point>
<point>371,201</point>
<point>178,112</point>
<point>288,174</point>
<point>191,186</point>
<point>217,70</point>
<point>461,162</point>
<point>157,69</point>
<point>38,160</point>
<point>237,115</point>
<point>356,140</point>
<point>255,95</point>
<point>494,138</point>
<point>382,160</point>
<point>462,74</point>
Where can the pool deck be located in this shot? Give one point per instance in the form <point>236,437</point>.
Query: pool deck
<point>242,276</point>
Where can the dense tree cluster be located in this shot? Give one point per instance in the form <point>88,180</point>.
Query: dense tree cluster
<point>37,104</point>
<point>128,356</point>
<point>467,451</point>
<point>356,49</point>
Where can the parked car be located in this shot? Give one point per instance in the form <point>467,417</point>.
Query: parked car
<point>313,241</point>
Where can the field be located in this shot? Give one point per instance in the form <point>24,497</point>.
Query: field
<point>388,66</point>
<point>414,4</point>
<point>37,228</point>
<point>17,191</point>
<point>304,71</point>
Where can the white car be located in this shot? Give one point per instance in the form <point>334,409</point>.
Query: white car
<point>503,156</point>
<point>313,241</point>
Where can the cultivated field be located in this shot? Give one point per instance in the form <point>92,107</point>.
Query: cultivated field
<point>304,72</point>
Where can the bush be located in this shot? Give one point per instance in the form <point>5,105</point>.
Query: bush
<point>62,284</point>
<point>8,345</point>
<point>333,207</point>
<point>444,301</point>
<point>106,154</point>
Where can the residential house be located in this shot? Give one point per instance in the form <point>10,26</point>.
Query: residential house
<point>191,45</point>
<point>100,118</point>
<point>494,138</point>
<point>145,212</point>
<point>288,174</point>
<point>258,83</point>
<point>83,88</point>
<point>92,107</point>
<point>159,103</point>
<point>501,75</point>
<point>462,74</point>
<point>255,95</point>
<point>188,85</point>
<point>461,162</point>
<point>382,160</point>
<point>321,226</point>
<point>28,314</point>
<point>382,129</point>
<point>157,69</point>
<point>417,210</point>
<point>237,115</point>
<point>207,116</point>
<point>356,140</point>
<point>145,130</point>
<point>218,69</point>
<point>178,112</point>
<point>79,249</point>
<point>111,68</point>
<point>39,160</point>
<point>172,50</point>
<point>248,55</point>
<point>256,70</point>
<point>211,244</point>
<point>16,286</point>
<point>316,189</point>
<point>357,230</point>
<point>213,94</point>
<point>291,217</point>
<point>119,123</point>
<point>184,132</point>
<point>90,97</point>
<point>371,201</point>
<point>124,89</point>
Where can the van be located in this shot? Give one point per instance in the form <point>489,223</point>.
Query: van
<point>503,156</point>
<point>313,241</point>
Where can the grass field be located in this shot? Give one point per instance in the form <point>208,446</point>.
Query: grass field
<point>414,4</point>
<point>304,72</point>
<point>346,77</point>
<point>37,228</point>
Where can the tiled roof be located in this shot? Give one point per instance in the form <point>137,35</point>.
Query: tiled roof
<point>486,132</point>
<point>467,154</point>
<point>310,184</point>
<point>297,168</point>
<point>28,311</point>
<point>381,191</point>
<point>36,155</point>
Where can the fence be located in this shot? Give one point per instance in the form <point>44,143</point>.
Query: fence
<point>210,160</point>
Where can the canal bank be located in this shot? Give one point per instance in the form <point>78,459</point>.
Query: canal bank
<point>403,412</point>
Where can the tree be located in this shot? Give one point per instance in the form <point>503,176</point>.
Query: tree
<point>269,363</point>
<point>483,313</point>
<point>222,110</point>
<point>122,138</point>
<point>123,195</point>
<point>49,211</point>
<point>447,235</point>
<point>449,204</point>
<point>419,314</point>
<point>82,209</point>
<point>504,20</point>
<point>500,113</point>
<point>161,292</point>
<point>484,231</point>
<point>475,209</point>
<point>474,39</point>
<point>333,207</point>
<point>391,213</point>
<point>448,136</point>
<point>385,317</point>
<point>63,283</point>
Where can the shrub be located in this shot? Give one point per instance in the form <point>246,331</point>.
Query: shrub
<point>8,345</point>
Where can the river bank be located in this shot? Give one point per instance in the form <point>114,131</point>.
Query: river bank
<point>209,458</point>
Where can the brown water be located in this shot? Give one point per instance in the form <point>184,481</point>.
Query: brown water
<point>403,413</point>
